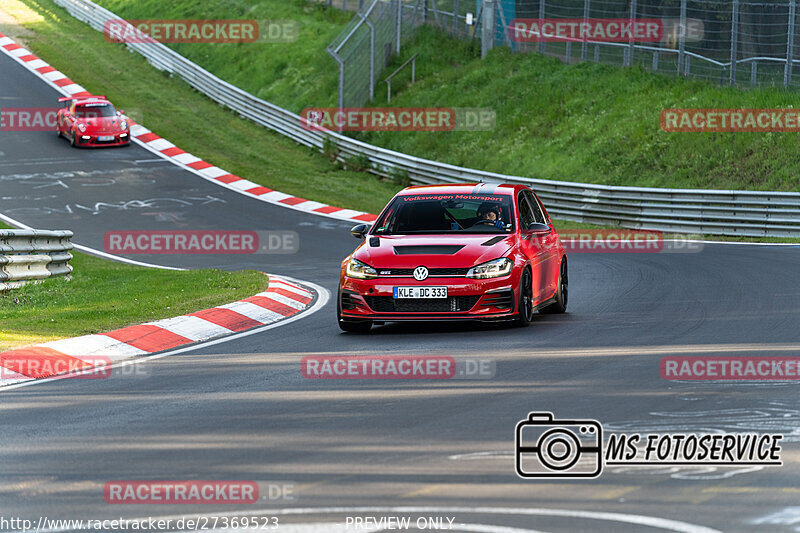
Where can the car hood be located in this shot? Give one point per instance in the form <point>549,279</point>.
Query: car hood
<point>433,251</point>
<point>102,125</point>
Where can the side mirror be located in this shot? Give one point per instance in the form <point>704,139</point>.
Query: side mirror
<point>538,227</point>
<point>120,112</point>
<point>359,231</point>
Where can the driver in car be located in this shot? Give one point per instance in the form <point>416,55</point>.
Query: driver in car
<point>489,214</point>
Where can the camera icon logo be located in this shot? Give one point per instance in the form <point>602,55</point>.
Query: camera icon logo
<point>547,448</point>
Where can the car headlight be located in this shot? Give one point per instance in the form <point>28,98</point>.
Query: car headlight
<point>491,269</point>
<point>123,125</point>
<point>81,126</point>
<point>357,269</point>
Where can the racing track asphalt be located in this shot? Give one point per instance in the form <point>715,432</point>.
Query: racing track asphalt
<point>207,414</point>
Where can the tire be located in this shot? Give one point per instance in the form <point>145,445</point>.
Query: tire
<point>72,140</point>
<point>525,300</point>
<point>562,292</point>
<point>351,326</point>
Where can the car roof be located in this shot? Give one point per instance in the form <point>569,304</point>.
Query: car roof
<point>463,188</point>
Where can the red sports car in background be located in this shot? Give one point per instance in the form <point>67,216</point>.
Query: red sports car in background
<point>468,251</point>
<point>92,121</point>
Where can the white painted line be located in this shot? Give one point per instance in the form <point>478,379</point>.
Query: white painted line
<point>191,327</point>
<point>121,259</point>
<point>9,377</point>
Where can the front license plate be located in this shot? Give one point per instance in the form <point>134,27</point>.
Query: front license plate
<point>104,138</point>
<point>420,292</point>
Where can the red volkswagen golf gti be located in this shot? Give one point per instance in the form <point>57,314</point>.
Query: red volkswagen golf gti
<point>454,252</point>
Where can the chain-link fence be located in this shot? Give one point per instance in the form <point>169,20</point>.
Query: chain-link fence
<point>737,42</point>
<point>732,41</point>
<point>378,30</point>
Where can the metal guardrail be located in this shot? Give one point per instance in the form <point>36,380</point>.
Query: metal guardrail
<point>32,255</point>
<point>714,212</point>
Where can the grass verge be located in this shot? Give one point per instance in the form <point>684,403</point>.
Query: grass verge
<point>105,295</point>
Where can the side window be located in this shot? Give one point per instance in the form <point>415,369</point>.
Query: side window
<point>538,215</point>
<point>526,217</point>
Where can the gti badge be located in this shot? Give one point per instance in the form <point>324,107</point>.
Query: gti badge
<point>420,273</point>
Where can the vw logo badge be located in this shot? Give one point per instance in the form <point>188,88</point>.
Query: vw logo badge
<point>420,273</point>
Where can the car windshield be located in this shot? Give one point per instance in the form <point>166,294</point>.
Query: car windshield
<point>447,213</point>
<point>94,111</point>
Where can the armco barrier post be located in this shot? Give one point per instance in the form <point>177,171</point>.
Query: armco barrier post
<point>541,21</point>
<point>682,39</point>
<point>488,28</point>
<point>631,41</point>
<point>787,71</point>
<point>584,44</point>
<point>734,38</point>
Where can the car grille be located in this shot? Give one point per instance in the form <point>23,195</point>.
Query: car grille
<point>452,304</point>
<point>500,300</point>
<point>436,272</point>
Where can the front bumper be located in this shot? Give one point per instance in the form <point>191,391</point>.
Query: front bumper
<point>93,141</point>
<point>467,299</point>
